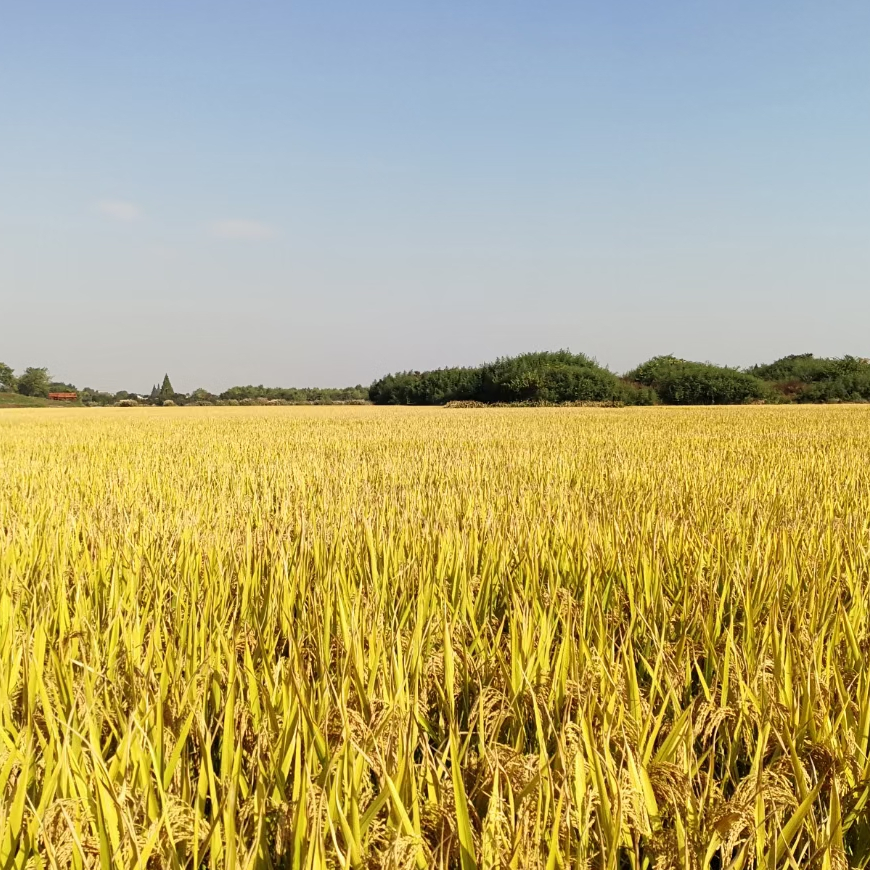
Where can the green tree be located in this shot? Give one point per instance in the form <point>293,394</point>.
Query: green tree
<point>34,382</point>
<point>200,394</point>
<point>166,391</point>
<point>8,381</point>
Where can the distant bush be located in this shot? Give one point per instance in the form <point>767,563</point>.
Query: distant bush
<point>426,388</point>
<point>127,403</point>
<point>806,378</point>
<point>632,393</point>
<point>252,401</point>
<point>682,382</point>
<point>810,369</point>
<point>531,378</point>
<point>297,395</point>
<point>168,403</point>
<point>547,377</point>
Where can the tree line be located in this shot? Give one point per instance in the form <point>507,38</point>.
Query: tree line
<point>37,382</point>
<point>564,377</point>
<point>543,378</point>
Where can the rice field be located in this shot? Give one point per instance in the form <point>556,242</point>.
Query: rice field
<point>412,638</point>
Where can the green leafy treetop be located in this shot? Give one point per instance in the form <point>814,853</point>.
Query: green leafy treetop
<point>166,391</point>
<point>8,381</point>
<point>34,382</point>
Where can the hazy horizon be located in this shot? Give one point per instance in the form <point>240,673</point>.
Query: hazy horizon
<point>318,195</point>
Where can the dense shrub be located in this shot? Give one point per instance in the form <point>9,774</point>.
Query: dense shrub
<point>711,385</point>
<point>546,377</point>
<point>806,378</point>
<point>681,382</point>
<point>531,378</point>
<point>633,393</point>
<point>426,388</point>
<point>810,369</point>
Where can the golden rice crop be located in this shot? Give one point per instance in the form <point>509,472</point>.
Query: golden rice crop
<point>399,638</point>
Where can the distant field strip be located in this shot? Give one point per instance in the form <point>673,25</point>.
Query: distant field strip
<point>411,638</point>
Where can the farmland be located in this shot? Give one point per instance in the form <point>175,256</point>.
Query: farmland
<point>367,637</point>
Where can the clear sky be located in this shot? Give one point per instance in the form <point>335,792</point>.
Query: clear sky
<point>316,193</point>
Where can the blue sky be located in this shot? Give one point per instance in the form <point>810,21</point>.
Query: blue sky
<point>305,193</point>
